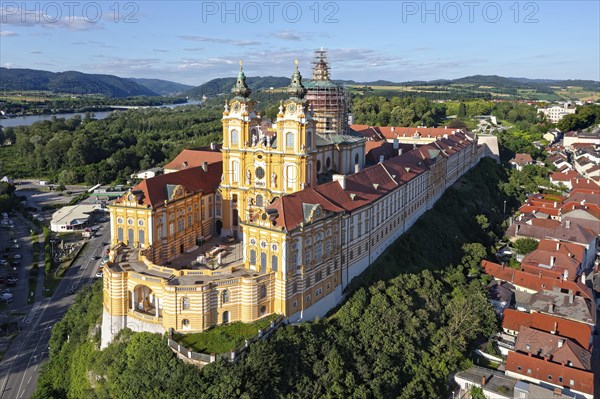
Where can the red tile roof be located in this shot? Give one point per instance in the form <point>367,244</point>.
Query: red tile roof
<point>193,158</point>
<point>534,282</point>
<point>555,349</point>
<point>568,248</point>
<point>155,190</point>
<point>531,367</point>
<point>551,264</point>
<point>291,208</point>
<point>588,185</point>
<point>522,159</point>
<point>582,334</point>
<point>564,176</point>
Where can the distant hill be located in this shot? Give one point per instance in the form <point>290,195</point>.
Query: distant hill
<point>163,87</point>
<point>224,85</point>
<point>70,82</point>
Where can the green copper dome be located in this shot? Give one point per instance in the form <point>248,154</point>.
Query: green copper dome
<point>241,89</point>
<point>296,89</point>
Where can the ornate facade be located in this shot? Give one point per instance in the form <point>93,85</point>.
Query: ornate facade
<point>308,216</point>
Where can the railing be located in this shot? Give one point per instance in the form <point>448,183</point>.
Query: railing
<point>234,355</point>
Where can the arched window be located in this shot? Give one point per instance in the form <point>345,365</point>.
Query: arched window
<point>185,303</point>
<point>185,323</point>
<point>318,166</point>
<point>289,140</point>
<point>252,257</point>
<point>308,139</point>
<point>226,317</point>
<point>356,159</point>
<point>235,137</point>
<point>328,163</point>
<point>259,200</point>
<point>120,234</point>
<point>262,292</point>
<point>225,296</point>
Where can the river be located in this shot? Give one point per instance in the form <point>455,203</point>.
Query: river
<point>30,119</point>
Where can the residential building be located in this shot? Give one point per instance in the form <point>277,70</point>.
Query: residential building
<point>556,112</point>
<point>521,160</point>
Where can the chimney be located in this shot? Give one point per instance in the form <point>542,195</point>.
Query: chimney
<point>583,278</point>
<point>483,380</point>
<point>550,308</point>
<point>399,151</point>
<point>205,166</point>
<point>555,328</point>
<point>561,342</point>
<point>552,261</point>
<point>557,246</point>
<point>213,146</point>
<point>352,196</point>
<point>341,179</point>
<point>571,297</point>
<point>392,128</point>
<point>568,224</point>
<point>381,158</point>
<point>356,168</point>
<point>445,127</point>
<point>517,227</point>
<point>396,144</point>
<point>555,203</point>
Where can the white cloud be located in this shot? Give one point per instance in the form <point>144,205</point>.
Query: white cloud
<point>287,35</point>
<point>6,33</point>
<point>207,39</point>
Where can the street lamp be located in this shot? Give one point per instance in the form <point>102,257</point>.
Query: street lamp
<point>504,209</point>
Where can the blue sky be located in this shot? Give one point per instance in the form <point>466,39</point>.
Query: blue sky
<point>194,41</point>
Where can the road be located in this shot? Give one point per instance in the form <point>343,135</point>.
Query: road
<point>20,367</point>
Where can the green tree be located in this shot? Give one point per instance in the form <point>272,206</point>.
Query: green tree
<point>462,111</point>
<point>525,245</point>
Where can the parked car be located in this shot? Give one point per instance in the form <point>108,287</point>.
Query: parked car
<point>6,298</point>
<point>12,280</point>
<point>99,274</point>
<point>3,262</point>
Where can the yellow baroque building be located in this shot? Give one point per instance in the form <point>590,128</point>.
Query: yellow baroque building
<point>281,223</point>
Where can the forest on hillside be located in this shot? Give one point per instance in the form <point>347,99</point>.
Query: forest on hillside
<point>108,150</point>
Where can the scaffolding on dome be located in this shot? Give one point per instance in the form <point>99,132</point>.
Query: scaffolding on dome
<point>329,101</point>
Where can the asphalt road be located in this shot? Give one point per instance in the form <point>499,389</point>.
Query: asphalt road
<point>20,367</point>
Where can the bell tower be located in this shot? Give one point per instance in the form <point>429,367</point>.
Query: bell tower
<point>263,161</point>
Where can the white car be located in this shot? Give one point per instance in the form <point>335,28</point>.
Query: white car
<point>99,274</point>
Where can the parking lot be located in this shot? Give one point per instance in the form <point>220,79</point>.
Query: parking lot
<point>15,260</point>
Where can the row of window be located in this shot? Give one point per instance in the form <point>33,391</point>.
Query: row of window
<point>560,378</point>
<point>131,221</point>
<point>307,299</point>
<point>290,139</point>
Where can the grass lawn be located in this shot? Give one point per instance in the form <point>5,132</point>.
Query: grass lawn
<point>223,338</point>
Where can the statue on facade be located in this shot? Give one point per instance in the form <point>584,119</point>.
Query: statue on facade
<point>254,140</point>
<point>273,179</point>
<point>247,177</point>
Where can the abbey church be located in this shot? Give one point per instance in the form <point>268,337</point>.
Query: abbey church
<point>278,218</point>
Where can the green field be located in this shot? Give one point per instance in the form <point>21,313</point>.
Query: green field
<point>457,90</point>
